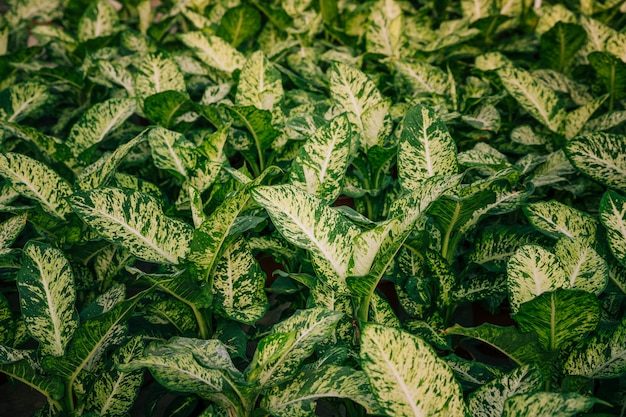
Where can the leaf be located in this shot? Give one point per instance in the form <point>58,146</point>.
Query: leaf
<point>239,24</point>
<point>9,231</point>
<point>98,121</point>
<point>23,99</point>
<point>611,71</point>
<point>577,118</point>
<point>556,220</point>
<point>320,164</point>
<point>238,285</point>
<point>259,124</point>
<point>54,147</point>
<point>613,217</point>
<point>559,44</point>
<point>600,156</point>
<point>290,342</point>
<point>420,77</point>
<point>213,51</point>
<point>51,387</point>
<point>488,400</point>
<point>167,108</point>
<point>584,267</point>
<point>32,179</point>
<point>540,101</point>
<point>307,222</point>
<point>135,221</point>
<point>406,376</point>
<point>559,317</point>
<point>384,32</point>
<point>425,149</point>
<point>260,84</point>
<point>156,73</point>
<point>600,356</point>
<point>100,19</point>
<point>171,151</point>
<point>476,9</point>
<point>547,404</point>
<point>46,286</point>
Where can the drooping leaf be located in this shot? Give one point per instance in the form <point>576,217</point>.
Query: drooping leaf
<point>51,387</point>
<point>135,221</point>
<point>9,231</point>
<point>47,295</point>
<point>53,146</point>
<point>260,84</point>
<point>156,73</point>
<point>425,149</point>
<point>600,356</point>
<point>556,220</point>
<point>547,404</point>
<point>214,51</point>
<point>34,180</point>
<point>100,19</point>
<point>239,24</point>
<point>406,376</point>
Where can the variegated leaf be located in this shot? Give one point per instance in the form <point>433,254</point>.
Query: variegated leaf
<point>34,180</point>
<point>51,387</point>
<point>175,313</point>
<point>156,73</point>
<point>170,109</point>
<point>540,101</point>
<point>239,23</point>
<point>299,396</point>
<point>471,374</point>
<point>548,404</point>
<point>321,163</point>
<point>488,400</point>
<point>425,149</point>
<point>238,285</point>
<point>604,121</point>
<point>377,124</point>
<point>171,151</point>
<point>53,146</point>
<point>118,74</point>
<point>556,220</point>
<point>613,217</point>
<point>7,328</point>
<point>531,271</point>
<point>559,45</point>
<point>616,44</point>
<point>260,83</point>
<point>477,9</point>
<point>368,243</point>
<point>559,317</point>
<point>307,222</point>
<point>214,51</point>
<point>291,341</point>
<point>600,356</point>
<point>384,33</point>
<point>135,221</point>
<point>600,156</point>
<point>421,77</point>
<point>20,100</point>
<point>9,231</point>
<point>97,122</point>
<point>46,286</point>
<point>585,269</point>
<point>406,376</point>
<point>104,302</point>
<point>577,118</point>
<point>100,19</point>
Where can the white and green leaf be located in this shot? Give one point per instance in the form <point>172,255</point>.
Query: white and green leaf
<point>600,356</point>
<point>260,83</point>
<point>548,404</point>
<point>214,51</point>
<point>601,156</point>
<point>421,77</point>
<point>171,151</point>
<point>100,19</point>
<point>10,229</point>
<point>23,99</point>
<point>585,269</point>
<point>556,220</point>
<point>156,73</point>
<point>384,34</point>
<point>613,217</point>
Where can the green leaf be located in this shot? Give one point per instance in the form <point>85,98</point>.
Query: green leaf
<point>559,317</point>
<point>547,404</point>
<point>384,33</point>
<point>34,180</point>
<point>54,147</point>
<point>540,101</point>
<point>97,122</point>
<point>47,295</point>
<point>291,341</point>
<point>7,325</point>
<point>425,149</point>
<point>156,73</point>
<point>260,84</point>
<point>239,24</point>
<point>559,45</point>
<point>51,387</point>
<point>420,77</point>
<point>23,99</point>
<point>321,163</point>
<point>585,269</point>
<point>307,222</point>
<point>135,221</point>
<point>476,9</point>
<point>180,286</point>
<point>100,19</point>
<point>214,51</point>
<point>9,231</point>
<point>406,376</point>
<point>167,108</point>
<point>238,285</point>
<point>611,71</point>
<point>556,220</point>
<point>600,356</point>
<point>488,400</point>
<point>599,155</point>
<point>171,151</point>
<point>613,217</point>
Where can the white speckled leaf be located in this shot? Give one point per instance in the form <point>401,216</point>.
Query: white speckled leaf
<point>585,269</point>
<point>407,377</point>
<point>602,156</point>
<point>22,99</point>
<point>422,77</point>
<point>531,271</point>
<point>9,231</point>
<point>577,118</point>
<point>600,356</point>
<point>100,19</point>
<point>46,286</point>
<point>425,149</point>
<point>171,151</point>
<point>260,83</point>
<point>34,180</point>
<point>368,243</point>
<point>556,220</point>
<point>118,74</point>
<point>321,163</point>
<point>156,73</point>
<point>377,124</point>
<point>307,222</point>
<point>135,221</point>
<point>98,121</point>
<point>214,51</point>
<point>384,34</point>
<point>547,404</point>
<point>476,9</point>
<point>613,217</point>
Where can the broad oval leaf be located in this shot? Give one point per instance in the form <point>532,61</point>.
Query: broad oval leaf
<point>135,221</point>
<point>425,149</point>
<point>214,51</point>
<point>556,220</point>
<point>20,100</point>
<point>407,377</point>
<point>585,269</point>
<point>239,24</point>
<point>547,404</point>
<point>613,217</point>
<point>100,19</point>
<point>46,286</point>
<point>9,231</point>
<point>156,73</point>
<point>35,180</point>
<point>422,77</point>
<point>171,151</point>
<point>600,356</point>
<point>600,156</point>
<point>260,83</point>
<point>385,30</point>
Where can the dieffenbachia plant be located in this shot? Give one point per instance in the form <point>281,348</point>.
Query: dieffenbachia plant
<point>288,208</point>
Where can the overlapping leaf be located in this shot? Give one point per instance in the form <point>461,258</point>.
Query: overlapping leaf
<point>259,83</point>
<point>556,220</point>
<point>547,404</point>
<point>171,151</point>
<point>9,231</point>
<point>100,19</point>
<point>156,73</point>
<point>214,51</point>
<point>601,356</point>
<point>584,267</point>
<point>613,217</point>
<point>600,156</point>
<point>384,33</point>
<point>20,100</point>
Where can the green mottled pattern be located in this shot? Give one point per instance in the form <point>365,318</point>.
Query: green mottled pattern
<point>547,404</point>
<point>602,156</point>
<point>488,400</point>
<point>556,219</point>
<point>156,73</point>
<point>613,217</point>
<point>214,51</point>
<point>118,74</point>
<point>7,323</point>
<point>307,222</point>
<point>585,269</point>
<point>422,77</point>
<point>540,101</point>
<point>9,231</point>
<point>425,149</point>
<point>320,164</point>
<point>600,356</point>
<point>181,286</point>
<point>239,285</point>
<point>171,151</point>
<point>381,312</point>
<point>135,221</point>
<point>25,98</point>
<point>605,121</point>
<point>616,45</point>
<point>53,146</point>
<point>368,243</point>
<point>49,386</point>
<point>406,376</point>
<point>559,317</point>
<point>176,313</point>
<point>531,271</point>
<point>131,182</point>
<point>33,179</point>
<point>98,121</point>
<point>384,34</point>
<point>578,117</point>
<point>12,355</point>
<point>46,286</point>
<point>377,125</point>
<point>100,19</point>
<point>260,83</point>
<point>104,302</point>
<point>477,9</point>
